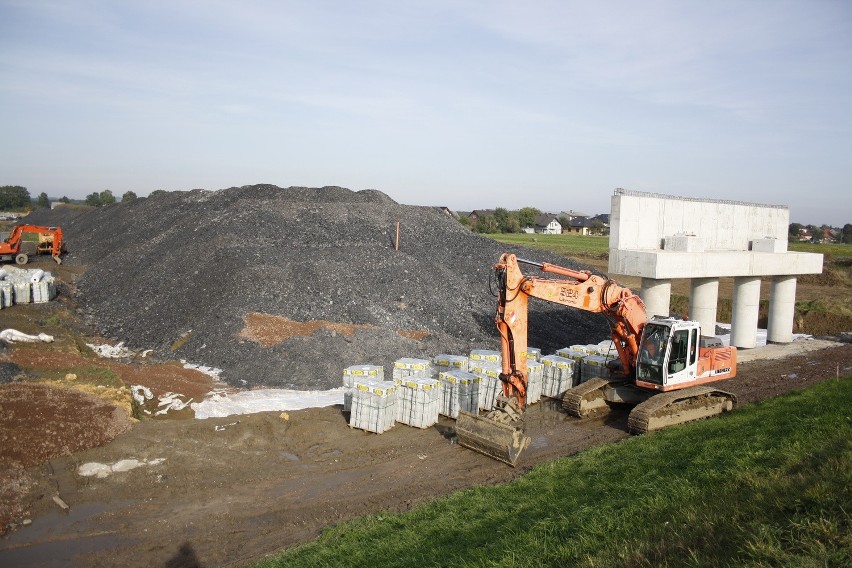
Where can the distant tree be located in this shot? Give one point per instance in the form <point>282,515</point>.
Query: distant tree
<point>14,197</point>
<point>128,196</point>
<point>565,222</point>
<point>512,224</point>
<point>464,220</point>
<point>527,215</point>
<point>846,234</point>
<point>795,230</point>
<point>43,200</point>
<point>486,224</point>
<point>107,198</point>
<point>64,199</point>
<point>157,192</point>
<point>93,199</point>
<point>597,227</point>
<point>501,215</point>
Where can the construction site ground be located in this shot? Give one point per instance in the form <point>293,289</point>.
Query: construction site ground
<point>230,491</point>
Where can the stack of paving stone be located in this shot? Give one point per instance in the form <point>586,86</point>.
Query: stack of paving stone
<point>443,362</point>
<point>488,372</point>
<point>478,355</point>
<point>592,366</point>
<point>418,401</point>
<point>22,286</point>
<point>533,353</point>
<point>373,405</point>
<point>558,375</point>
<point>535,381</point>
<point>607,347</point>
<point>408,367</point>
<point>575,353</point>
<point>359,372</point>
<point>459,391</point>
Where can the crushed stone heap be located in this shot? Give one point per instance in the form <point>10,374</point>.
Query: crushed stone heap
<point>287,286</point>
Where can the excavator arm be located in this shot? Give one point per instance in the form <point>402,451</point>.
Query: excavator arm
<point>583,290</point>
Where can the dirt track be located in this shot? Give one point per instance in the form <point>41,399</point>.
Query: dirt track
<point>233,490</point>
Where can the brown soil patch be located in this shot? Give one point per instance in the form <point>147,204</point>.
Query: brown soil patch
<point>269,330</point>
<point>39,422</point>
<point>160,378</point>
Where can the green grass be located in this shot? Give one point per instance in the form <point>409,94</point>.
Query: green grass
<point>836,252</point>
<point>768,485</point>
<point>566,245</point>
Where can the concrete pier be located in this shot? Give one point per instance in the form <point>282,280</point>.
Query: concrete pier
<point>782,308</point>
<point>703,301</point>
<point>744,312</point>
<point>657,296</point>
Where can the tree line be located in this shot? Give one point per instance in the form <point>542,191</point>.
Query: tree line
<point>16,197</point>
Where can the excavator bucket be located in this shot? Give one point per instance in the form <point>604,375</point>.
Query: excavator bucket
<point>494,435</point>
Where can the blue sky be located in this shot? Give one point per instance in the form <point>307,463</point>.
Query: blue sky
<point>468,104</point>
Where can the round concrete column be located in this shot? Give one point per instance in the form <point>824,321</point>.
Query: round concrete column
<point>744,311</point>
<point>782,307</point>
<point>657,296</point>
<point>703,297</point>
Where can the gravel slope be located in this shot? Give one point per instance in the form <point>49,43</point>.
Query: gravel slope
<point>200,261</point>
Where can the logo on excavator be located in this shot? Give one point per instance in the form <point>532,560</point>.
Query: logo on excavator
<point>569,295</point>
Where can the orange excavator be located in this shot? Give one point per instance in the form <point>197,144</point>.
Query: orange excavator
<point>26,240</point>
<point>661,368</point>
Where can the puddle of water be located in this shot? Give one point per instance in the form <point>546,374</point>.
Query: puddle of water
<point>56,538</point>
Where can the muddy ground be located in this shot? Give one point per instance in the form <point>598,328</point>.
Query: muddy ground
<point>229,491</point>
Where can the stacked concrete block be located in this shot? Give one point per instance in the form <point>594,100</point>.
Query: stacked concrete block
<point>572,353</point>
<point>22,286</point>
<point>443,362</point>
<point>533,353</point>
<point>593,349</point>
<point>418,402</point>
<point>558,375</point>
<point>373,406</point>
<point>490,386</point>
<point>7,294</point>
<point>408,367</point>
<point>535,381</point>
<point>607,346</point>
<point>479,355</point>
<point>594,366</point>
<point>355,373</point>
<point>459,391</point>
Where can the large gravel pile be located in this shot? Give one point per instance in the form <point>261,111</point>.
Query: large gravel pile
<point>180,272</point>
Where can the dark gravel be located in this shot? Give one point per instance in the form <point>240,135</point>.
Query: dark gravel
<point>199,261</point>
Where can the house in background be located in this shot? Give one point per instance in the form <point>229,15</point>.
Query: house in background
<point>476,214</point>
<point>547,224</point>
<point>580,226</point>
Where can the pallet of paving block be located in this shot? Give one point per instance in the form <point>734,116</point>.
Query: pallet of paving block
<point>411,367</point>
<point>490,385</point>
<point>478,355</point>
<point>535,378</point>
<point>558,376</point>
<point>418,402</point>
<point>459,391</point>
<point>359,372</point>
<point>373,406</point>
<point>445,362</point>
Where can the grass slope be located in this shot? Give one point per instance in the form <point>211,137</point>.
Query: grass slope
<point>768,485</point>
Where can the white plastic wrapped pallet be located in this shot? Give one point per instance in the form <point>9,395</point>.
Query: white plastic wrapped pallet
<point>535,376</point>
<point>373,406</point>
<point>411,367</point>
<point>490,385</point>
<point>418,402</point>
<point>459,391</point>
<point>359,372</point>
<point>558,375</point>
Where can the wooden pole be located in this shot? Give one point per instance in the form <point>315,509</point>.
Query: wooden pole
<point>396,247</point>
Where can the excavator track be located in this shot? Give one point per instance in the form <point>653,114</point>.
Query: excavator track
<point>587,397</point>
<point>678,407</point>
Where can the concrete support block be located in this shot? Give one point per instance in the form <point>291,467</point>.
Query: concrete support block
<point>745,311</point>
<point>657,296</point>
<point>782,307</point>
<point>703,298</point>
